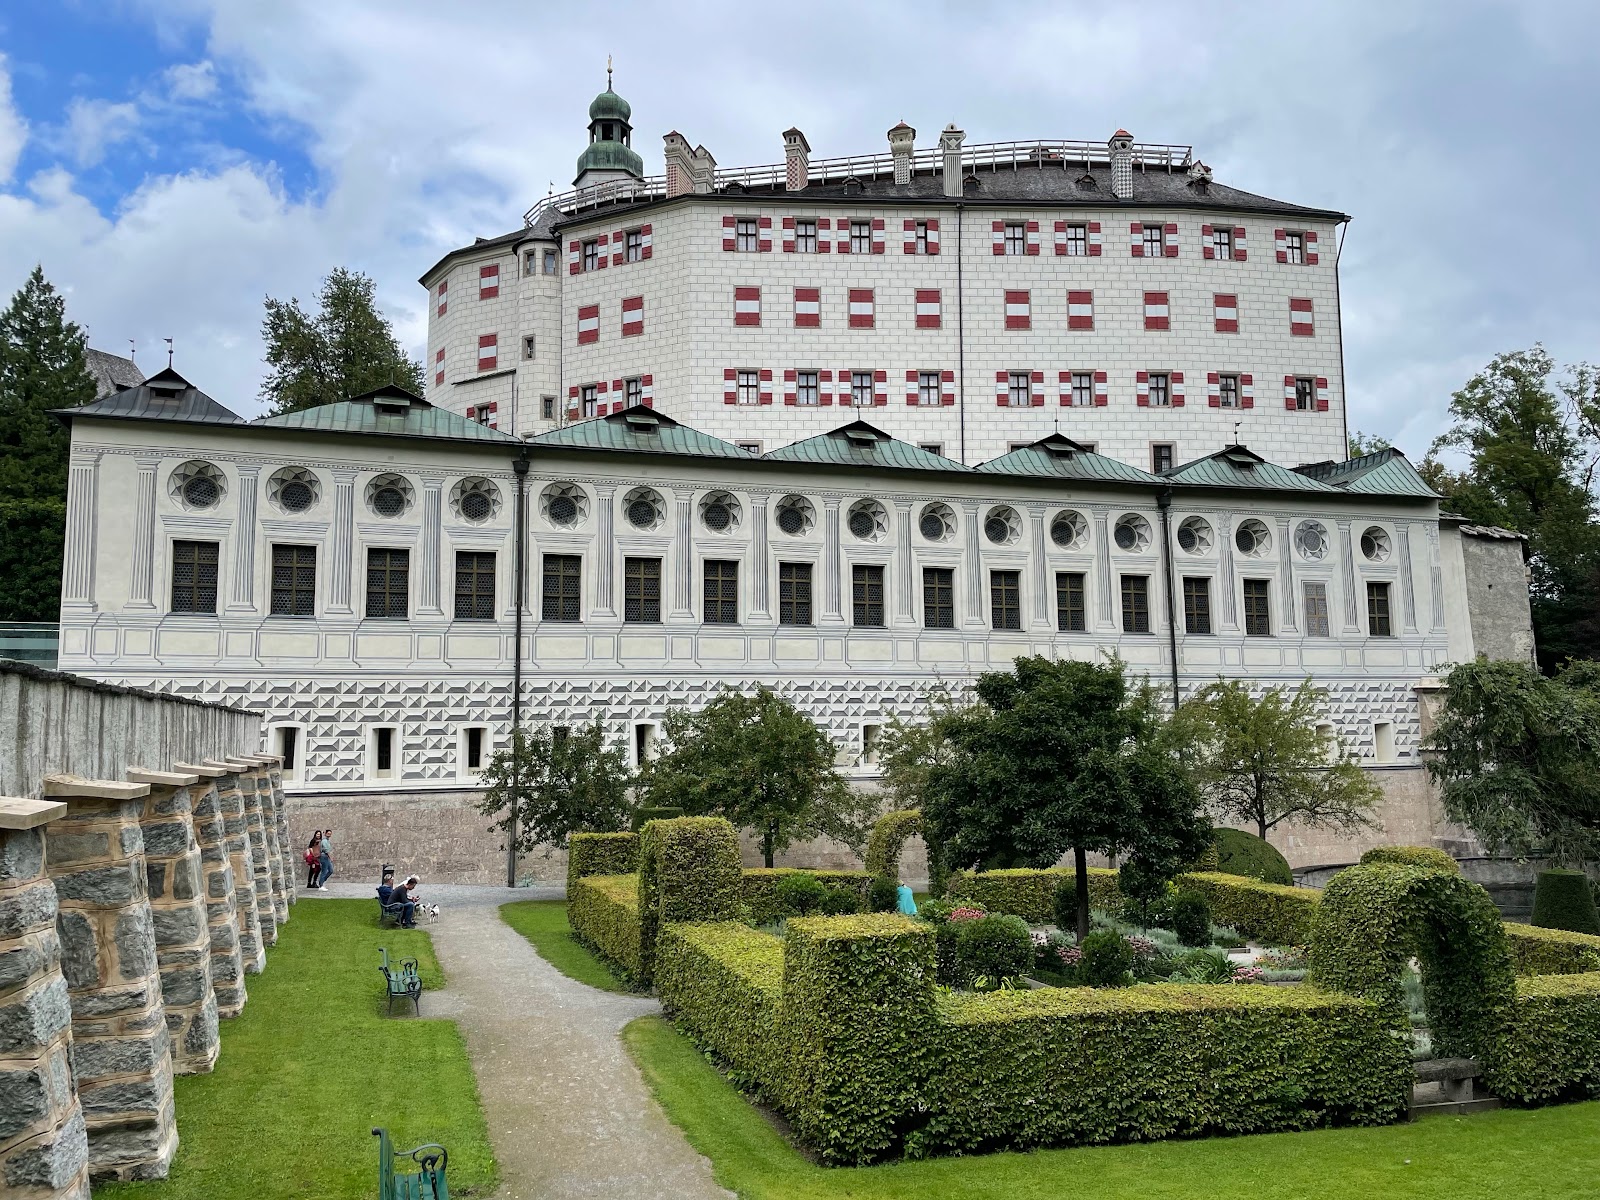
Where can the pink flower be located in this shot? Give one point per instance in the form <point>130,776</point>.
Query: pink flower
<point>1248,974</point>
<point>1069,955</point>
<point>968,914</point>
<point>1143,947</point>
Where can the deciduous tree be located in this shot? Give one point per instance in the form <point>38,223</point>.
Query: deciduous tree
<point>552,782</point>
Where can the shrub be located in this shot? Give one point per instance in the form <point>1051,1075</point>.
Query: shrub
<point>654,814</point>
<point>883,894</point>
<point>1241,853</point>
<point>800,894</point>
<point>938,913</point>
<point>689,870</point>
<point>1412,856</point>
<point>1263,912</point>
<point>1066,903</point>
<point>840,901</point>
<point>1205,966</point>
<point>760,889</point>
<point>1552,951</point>
<point>889,835</point>
<point>604,915</point>
<point>600,854</point>
<point>1191,919</point>
<point>1562,900</point>
<point>1031,894</point>
<point>998,946</point>
<point>1105,959</point>
<point>1550,1048</point>
<point>722,984</point>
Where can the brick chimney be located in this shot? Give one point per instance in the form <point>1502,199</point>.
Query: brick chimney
<point>901,144</point>
<point>796,160</point>
<point>950,140</point>
<point>1121,146</point>
<point>680,170</point>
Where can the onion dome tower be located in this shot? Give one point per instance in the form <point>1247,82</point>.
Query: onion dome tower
<point>609,154</point>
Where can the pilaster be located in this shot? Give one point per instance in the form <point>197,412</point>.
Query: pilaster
<point>216,867</point>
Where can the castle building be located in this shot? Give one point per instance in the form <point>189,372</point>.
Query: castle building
<point>1104,443</point>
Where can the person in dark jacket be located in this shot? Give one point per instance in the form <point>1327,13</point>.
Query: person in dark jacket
<point>408,906</point>
<point>313,859</point>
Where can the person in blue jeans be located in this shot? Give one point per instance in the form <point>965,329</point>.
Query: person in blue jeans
<point>408,907</point>
<point>325,855</point>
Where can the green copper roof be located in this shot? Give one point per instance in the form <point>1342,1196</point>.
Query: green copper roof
<point>392,411</point>
<point>1386,472</point>
<point>610,156</point>
<point>1060,457</point>
<point>1237,467</point>
<point>608,106</point>
<point>862,445</point>
<point>640,430</point>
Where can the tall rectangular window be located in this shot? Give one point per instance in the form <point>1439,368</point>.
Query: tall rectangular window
<point>1378,622</point>
<point>1155,241</point>
<point>805,388</point>
<point>1160,457</point>
<point>1316,604</point>
<point>1005,599</point>
<point>547,407</point>
<point>1228,391</point>
<point>1136,604</point>
<point>633,391</point>
<point>1222,242</point>
<point>745,234</point>
<point>591,255</point>
<point>383,752</point>
<point>1258,607</point>
<point>866,594</point>
<point>388,583</point>
<point>590,394</point>
<point>861,389</point>
<point>294,581</point>
<point>805,236</point>
<point>473,746</point>
<point>749,387</point>
<point>921,230</point>
<point>794,593</point>
<point>721,592</point>
<point>1294,245</point>
<point>1196,604</point>
<point>641,590</point>
<point>927,388</point>
<point>860,237</point>
<point>1077,241</point>
<point>1082,389</point>
<point>474,585</point>
<point>1016,238</point>
<point>1019,391</point>
<point>1305,394</point>
<point>563,587</point>
<point>939,597</point>
<point>635,245</point>
<point>194,577</point>
<point>1071,613</point>
<point>1160,390</point>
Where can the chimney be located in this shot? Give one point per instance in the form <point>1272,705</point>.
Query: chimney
<point>796,160</point>
<point>950,142</point>
<point>702,171</point>
<point>1121,146</point>
<point>901,139</point>
<point>680,171</point>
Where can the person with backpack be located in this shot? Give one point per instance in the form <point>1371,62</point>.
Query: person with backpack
<point>313,859</point>
<point>325,855</point>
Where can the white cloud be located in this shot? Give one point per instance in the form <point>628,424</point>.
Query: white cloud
<point>93,126</point>
<point>13,129</point>
<point>191,81</point>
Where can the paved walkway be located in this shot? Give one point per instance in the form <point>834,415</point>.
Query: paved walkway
<point>568,1114</point>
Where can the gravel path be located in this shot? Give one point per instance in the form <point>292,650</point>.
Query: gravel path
<point>569,1115</point>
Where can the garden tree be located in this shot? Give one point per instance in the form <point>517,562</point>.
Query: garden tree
<point>1264,759</point>
<point>1517,757</point>
<point>343,349</point>
<point>764,765</point>
<point>1065,755</point>
<point>908,750</point>
<point>42,368</point>
<point>1532,446</point>
<point>553,781</point>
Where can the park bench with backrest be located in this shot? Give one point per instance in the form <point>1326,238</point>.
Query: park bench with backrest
<point>389,914</point>
<point>402,981</point>
<point>425,1183</point>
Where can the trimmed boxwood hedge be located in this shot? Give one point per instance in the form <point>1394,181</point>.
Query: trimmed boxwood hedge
<point>1536,951</point>
<point>889,835</point>
<point>1031,893</point>
<point>723,984</point>
<point>1562,899</point>
<point>604,915</point>
<point>1241,853</point>
<point>1262,912</point>
<point>1551,1046</point>
<point>1412,856</point>
<point>759,888</point>
<point>689,870</point>
<point>600,854</point>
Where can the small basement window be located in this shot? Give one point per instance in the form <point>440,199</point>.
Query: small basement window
<point>1383,741</point>
<point>869,744</point>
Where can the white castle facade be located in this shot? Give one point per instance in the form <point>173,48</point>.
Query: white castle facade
<point>1090,376</point>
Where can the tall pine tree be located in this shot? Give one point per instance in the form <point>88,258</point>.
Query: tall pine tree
<point>42,367</point>
<point>343,349</point>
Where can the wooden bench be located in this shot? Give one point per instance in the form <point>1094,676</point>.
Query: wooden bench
<point>403,981</point>
<point>426,1183</point>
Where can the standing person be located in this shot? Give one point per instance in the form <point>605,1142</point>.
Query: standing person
<point>408,906</point>
<point>313,858</point>
<point>325,856</point>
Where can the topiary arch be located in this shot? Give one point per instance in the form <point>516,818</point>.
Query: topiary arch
<point>1374,917</point>
<point>889,836</point>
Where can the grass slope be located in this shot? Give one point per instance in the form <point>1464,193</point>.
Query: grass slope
<point>544,924</point>
<point>312,1065</point>
<point>1545,1152</point>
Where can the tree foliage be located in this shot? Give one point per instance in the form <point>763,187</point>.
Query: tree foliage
<point>42,367</point>
<point>909,750</point>
<point>345,348</point>
<point>1060,756</point>
<point>762,764</point>
<point>1264,759</point>
<point>559,782</point>
<point>1517,757</point>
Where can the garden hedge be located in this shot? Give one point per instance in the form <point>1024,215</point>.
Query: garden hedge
<point>1536,951</point>
<point>760,886</point>
<point>889,835</point>
<point>1262,912</point>
<point>1241,853</point>
<point>689,870</point>
<point>604,915</point>
<point>600,854</point>
<point>1031,893</point>
<point>722,984</point>
<point>1412,856</point>
<point>1551,1046</point>
<point>1562,900</point>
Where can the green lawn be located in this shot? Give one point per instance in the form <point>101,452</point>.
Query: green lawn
<point>544,923</point>
<point>312,1065</point>
<point>1510,1153</point>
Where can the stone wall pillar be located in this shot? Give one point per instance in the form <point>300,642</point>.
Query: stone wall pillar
<point>237,835</point>
<point>175,880</point>
<point>216,865</point>
<point>280,810</point>
<point>44,1150</point>
<point>260,870</point>
<point>269,835</point>
<point>121,1051</point>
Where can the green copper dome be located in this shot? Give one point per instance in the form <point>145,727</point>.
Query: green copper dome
<point>609,134</point>
<point>610,156</point>
<point>608,106</point>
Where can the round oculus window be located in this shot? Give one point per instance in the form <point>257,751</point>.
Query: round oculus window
<point>1312,539</point>
<point>862,524</point>
<point>296,495</point>
<point>563,510</point>
<point>201,492</point>
<point>791,520</point>
<point>1068,530</point>
<point>1252,538</point>
<point>475,506</point>
<point>932,525</point>
<point>1375,544</point>
<point>388,502</point>
<point>642,513</point>
<point>717,516</point>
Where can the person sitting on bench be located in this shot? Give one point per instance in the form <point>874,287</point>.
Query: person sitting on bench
<point>408,906</point>
<point>386,889</point>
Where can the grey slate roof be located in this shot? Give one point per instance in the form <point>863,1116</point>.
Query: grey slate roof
<point>1239,467</point>
<point>1060,457</point>
<point>1386,472</point>
<point>112,373</point>
<point>392,411</point>
<point>638,430</point>
<point>861,445</point>
<point>165,396</point>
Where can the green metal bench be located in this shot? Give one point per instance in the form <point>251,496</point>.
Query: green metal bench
<point>426,1183</point>
<point>402,981</point>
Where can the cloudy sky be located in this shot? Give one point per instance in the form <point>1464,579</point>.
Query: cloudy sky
<point>172,162</point>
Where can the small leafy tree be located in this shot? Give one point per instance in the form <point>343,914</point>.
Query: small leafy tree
<point>1517,757</point>
<point>1265,760</point>
<point>1060,756</point>
<point>908,750</point>
<point>764,765</point>
<point>552,782</point>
